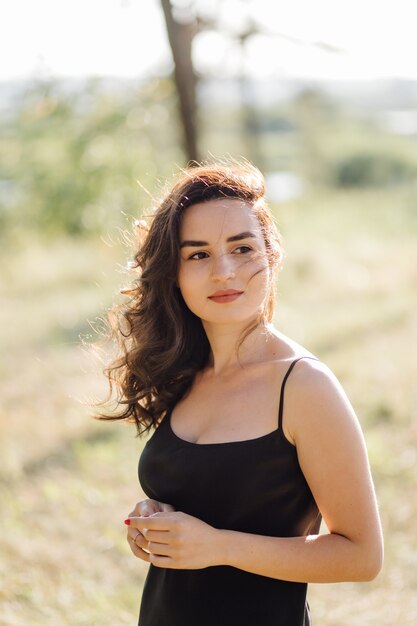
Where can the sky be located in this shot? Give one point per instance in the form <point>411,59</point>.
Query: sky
<point>127,38</point>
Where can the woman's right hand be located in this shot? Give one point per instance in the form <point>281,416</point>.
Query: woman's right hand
<point>144,508</point>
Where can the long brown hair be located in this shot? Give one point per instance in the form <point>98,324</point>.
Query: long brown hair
<point>162,344</point>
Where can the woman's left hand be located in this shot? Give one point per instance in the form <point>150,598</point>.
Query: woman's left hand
<point>176,540</point>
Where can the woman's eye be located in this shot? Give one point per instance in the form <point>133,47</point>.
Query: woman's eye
<point>243,249</point>
<point>196,257</point>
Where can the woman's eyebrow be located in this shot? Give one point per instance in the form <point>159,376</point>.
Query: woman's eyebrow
<point>197,244</point>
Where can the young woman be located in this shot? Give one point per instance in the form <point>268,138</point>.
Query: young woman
<point>253,441</point>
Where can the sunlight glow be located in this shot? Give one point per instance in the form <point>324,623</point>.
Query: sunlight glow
<point>127,38</point>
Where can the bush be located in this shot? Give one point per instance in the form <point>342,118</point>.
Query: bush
<point>366,169</point>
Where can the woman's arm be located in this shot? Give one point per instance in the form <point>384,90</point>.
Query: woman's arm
<point>319,419</point>
<point>321,422</point>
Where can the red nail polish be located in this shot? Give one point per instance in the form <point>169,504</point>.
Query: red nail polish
<point>127,522</point>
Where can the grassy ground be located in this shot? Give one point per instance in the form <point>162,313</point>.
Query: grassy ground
<point>347,293</point>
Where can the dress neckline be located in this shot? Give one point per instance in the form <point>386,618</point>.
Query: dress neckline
<point>277,432</point>
<point>240,442</point>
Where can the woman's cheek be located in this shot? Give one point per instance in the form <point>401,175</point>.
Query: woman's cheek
<point>188,285</point>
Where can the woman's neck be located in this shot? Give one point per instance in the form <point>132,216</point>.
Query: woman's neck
<point>226,355</point>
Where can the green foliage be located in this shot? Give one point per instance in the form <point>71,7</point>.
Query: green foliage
<point>72,154</point>
<point>366,169</point>
<point>71,160</point>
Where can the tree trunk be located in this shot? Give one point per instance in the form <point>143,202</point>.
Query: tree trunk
<point>180,36</point>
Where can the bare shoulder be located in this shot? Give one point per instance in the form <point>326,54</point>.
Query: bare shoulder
<point>316,403</point>
<point>312,376</point>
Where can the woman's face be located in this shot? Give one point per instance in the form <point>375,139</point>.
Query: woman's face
<point>223,271</point>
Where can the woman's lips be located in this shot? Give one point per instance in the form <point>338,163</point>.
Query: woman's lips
<point>226,296</point>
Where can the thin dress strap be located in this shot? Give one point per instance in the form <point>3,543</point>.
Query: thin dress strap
<point>281,398</point>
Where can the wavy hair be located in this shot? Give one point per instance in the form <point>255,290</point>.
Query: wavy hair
<point>161,343</point>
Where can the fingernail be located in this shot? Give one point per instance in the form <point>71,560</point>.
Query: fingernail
<point>127,522</point>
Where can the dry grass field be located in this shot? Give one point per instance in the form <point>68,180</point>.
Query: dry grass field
<point>348,292</point>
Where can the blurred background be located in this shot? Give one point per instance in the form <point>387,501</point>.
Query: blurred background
<point>101,103</point>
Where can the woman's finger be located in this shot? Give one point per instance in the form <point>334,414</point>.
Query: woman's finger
<point>139,540</point>
<point>157,536</point>
<point>158,521</point>
<point>144,543</point>
<point>137,551</point>
<point>134,535</point>
<point>147,507</point>
<point>139,545</point>
<point>160,549</point>
<point>166,507</point>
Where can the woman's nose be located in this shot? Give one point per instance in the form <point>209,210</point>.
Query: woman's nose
<point>222,267</point>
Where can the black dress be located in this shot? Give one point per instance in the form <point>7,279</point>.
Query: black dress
<point>254,486</point>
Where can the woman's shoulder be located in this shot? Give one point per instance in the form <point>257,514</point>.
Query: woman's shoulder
<point>285,351</point>
<point>315,401</point>
<point>310,378</point>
